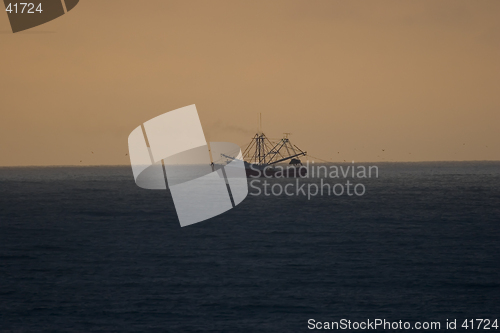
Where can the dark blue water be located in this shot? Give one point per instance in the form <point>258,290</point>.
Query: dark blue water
<point>84,249</point>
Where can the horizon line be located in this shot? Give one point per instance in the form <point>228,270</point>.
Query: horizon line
<point>321,162</point>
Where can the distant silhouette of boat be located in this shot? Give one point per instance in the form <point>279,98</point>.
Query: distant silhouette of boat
<point>262,157</point>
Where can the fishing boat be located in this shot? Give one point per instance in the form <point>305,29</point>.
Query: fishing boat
<point>266,158</point>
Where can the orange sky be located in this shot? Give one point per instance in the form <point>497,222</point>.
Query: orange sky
<point>418,79</point>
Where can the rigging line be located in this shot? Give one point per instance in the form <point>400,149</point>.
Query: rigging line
<point>317,158</point>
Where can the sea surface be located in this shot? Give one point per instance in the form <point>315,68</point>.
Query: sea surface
<point>83,249</point>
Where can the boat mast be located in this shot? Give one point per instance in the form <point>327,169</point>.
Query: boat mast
<point>258,138</point>
<point>260,157</point>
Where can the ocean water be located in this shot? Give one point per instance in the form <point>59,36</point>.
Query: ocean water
<point>85,249</point>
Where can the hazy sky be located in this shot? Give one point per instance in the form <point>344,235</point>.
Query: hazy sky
<point>419,79</point>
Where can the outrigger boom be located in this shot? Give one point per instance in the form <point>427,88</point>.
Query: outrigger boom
<point>262,151</point>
